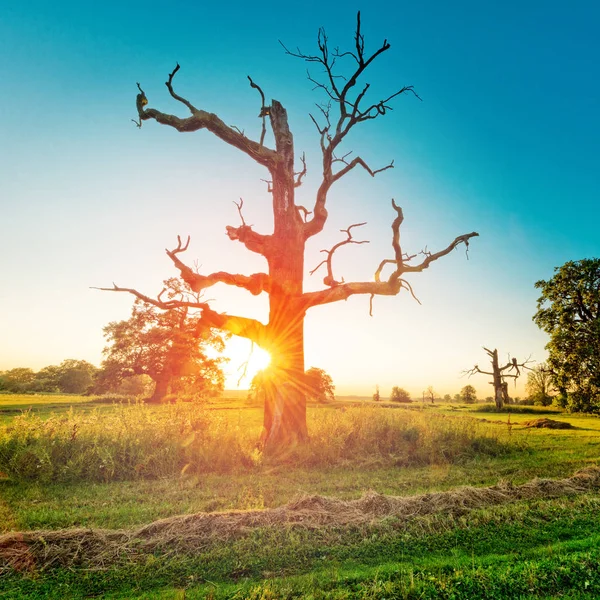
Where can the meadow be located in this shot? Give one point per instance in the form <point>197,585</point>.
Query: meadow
<point>115,499</point>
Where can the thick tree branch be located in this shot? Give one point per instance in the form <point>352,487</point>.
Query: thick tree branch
<point>241,326</point>
<point>391,287</point>
<point>345,290</point>
<point>255,284</point>
<point>201,119</point>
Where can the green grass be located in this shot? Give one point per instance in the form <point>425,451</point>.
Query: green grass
<point>535,549</point>
<point>513,551</point>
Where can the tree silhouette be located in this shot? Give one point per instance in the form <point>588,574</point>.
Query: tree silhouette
<point>346,107</point>
<point>512,369</point>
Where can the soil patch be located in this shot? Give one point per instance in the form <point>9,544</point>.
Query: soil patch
<point>29,551</point>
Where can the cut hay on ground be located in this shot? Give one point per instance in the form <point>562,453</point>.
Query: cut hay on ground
<point>548,424</point>
<point>98,548</point>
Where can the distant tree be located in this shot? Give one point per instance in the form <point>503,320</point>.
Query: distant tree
<point>468,395</point>
<point>47,379</point>
<point>489,398</point>
<point>430,394</point>
<point>319,385</point>
<point>376,395</point>
<point>499,374</point>
<point>170,347</point>
<point>569,311</point>
<point>457,398</point>
<point>75,376</point>
<point>447,398</point>
<point>17,380</point>
<point>400,395</point>
<point>539,384</point>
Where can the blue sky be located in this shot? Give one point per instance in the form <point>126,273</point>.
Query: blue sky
<point>505,142</point>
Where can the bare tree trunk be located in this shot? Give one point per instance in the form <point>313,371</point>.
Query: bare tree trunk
<point>497,382</point>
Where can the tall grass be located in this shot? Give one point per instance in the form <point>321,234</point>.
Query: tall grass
<point>139,441</point>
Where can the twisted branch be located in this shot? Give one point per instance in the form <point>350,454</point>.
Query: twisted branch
<point>329,279</point>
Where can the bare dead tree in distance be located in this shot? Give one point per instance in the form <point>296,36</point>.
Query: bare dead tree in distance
<point>283,249</point>
<point>512,369</point>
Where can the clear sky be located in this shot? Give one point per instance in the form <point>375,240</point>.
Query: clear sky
<point>506,142</point>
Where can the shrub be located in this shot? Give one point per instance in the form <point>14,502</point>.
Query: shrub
<point>400,395</point>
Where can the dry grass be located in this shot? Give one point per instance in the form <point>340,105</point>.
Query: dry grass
<point>135,441</point>
<point>547,424</point>
<point>188,534</point>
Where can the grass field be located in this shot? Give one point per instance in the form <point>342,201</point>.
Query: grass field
<point>405,502</point>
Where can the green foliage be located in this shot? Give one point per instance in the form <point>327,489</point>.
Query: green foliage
<point>319,385</point>
<point>171,347</point>
<point>539,383</point>
<point>70,377</point>
<point>17,380</point>
<point>468,394</point>
<point>568,309</point>
<point>400,395</point>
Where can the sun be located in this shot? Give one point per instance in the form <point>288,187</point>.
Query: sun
<point>245,361</point>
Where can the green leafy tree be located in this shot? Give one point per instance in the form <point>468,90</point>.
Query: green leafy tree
<point>376,395</point>
<point>468,395</point>
<point>539,385</point>
<point>568,310</point>
<point>75,376</point>
<point>168,346</point>
<point>319,385</point>
<point>47,379</point>
<point>400,395</point>
<point>17,380</point>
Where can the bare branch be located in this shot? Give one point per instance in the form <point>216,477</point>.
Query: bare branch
<point>350,113</point>
<point>239,207</point>
<point>301,173</point>
<point>391,287</point>
<point>461,239</point>
<point>201,119</point>
<point>264,111</point>
<point>169,84</point>
<point>359,161</point>
<point>255,284</point>
<point>329,279</point>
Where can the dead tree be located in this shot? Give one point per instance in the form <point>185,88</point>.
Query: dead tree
<point>283,335</point>
<point>512,369</point>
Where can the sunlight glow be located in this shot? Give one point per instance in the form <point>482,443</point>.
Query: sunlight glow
<point>241,357</point>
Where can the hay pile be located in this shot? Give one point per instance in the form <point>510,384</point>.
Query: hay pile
<point>98,548</point>
<point>548,423</point>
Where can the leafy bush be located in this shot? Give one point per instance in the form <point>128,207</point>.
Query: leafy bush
<point>400,395</point>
